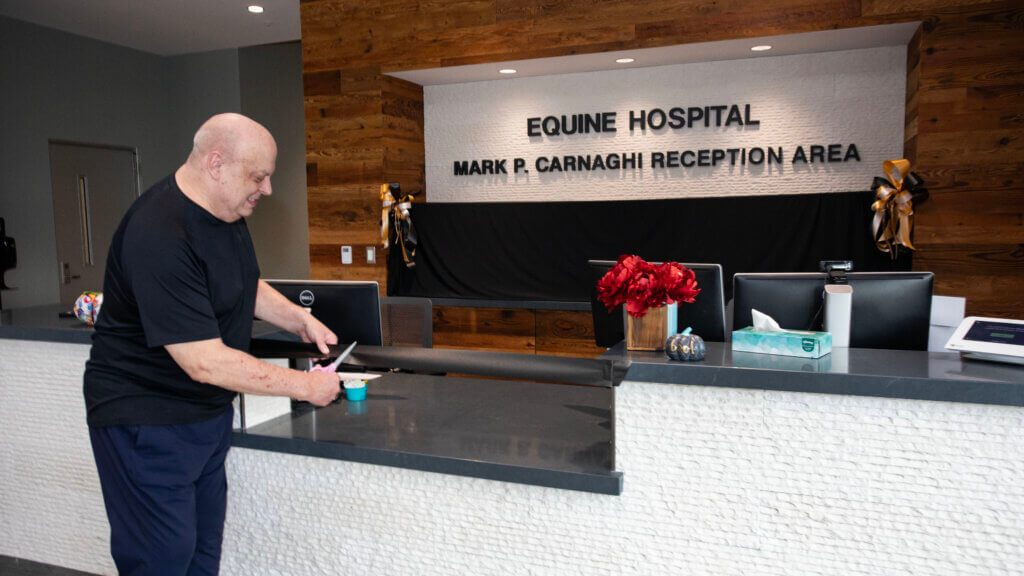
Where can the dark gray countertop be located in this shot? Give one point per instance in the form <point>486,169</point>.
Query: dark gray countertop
<point>551,435</point>
<point>43,323</point>
<point>941,376</point>
<point>855,371</point>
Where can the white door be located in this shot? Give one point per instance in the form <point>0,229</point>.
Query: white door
<point>93,186</point>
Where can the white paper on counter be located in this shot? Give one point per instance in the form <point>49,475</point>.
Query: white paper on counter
<point>947,314</point>
<point>346,376</point>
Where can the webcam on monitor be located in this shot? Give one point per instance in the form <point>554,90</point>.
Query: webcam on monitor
<point>836,270</point>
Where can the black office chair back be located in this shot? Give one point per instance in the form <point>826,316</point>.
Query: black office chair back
<point>407,321</point>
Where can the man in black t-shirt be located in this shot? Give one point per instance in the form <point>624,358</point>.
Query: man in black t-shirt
<point>169,352</point>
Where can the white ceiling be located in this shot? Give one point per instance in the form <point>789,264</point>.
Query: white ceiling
<point>810,42</point>
<point>165,27</point>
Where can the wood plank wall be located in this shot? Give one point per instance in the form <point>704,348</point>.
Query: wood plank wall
<point>965,110</point>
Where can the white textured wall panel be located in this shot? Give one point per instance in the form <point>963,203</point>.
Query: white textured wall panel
<point>849,97</point>
<point>50,502</point>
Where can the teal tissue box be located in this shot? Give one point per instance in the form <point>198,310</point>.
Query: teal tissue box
<point>785,343</point>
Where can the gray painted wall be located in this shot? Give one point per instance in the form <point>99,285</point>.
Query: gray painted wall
<point>271,88</point>
<point>199,86</point>
<point>60,86</point>
<point>65,87</point>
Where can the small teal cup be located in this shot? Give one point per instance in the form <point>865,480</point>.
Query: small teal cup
<point>355,390</point>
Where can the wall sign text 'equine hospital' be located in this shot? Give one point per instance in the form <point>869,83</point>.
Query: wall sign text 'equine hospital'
<point>656,119</point>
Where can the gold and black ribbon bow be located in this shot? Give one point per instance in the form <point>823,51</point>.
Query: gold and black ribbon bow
<point>895,195</point>
<point>395,215</point>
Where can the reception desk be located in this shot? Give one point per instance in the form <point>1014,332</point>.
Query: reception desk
<point>557,433</point>
<point>874,462</point>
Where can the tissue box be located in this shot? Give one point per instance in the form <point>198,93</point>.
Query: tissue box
<point>786,342</point>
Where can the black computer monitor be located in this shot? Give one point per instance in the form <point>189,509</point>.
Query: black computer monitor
<point>890,309</point>
<point>706,314</point>
<point>351,309</point>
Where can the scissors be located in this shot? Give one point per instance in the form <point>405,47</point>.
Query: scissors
<point>333,366</point>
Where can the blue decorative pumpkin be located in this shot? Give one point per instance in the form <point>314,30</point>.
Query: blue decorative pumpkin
<point>685,347</point>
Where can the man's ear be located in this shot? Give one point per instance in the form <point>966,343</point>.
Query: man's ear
<point>214,164</point>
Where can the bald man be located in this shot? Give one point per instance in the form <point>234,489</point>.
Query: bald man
<point>169,352</point>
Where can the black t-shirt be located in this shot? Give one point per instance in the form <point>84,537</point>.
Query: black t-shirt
<point>175,273</point>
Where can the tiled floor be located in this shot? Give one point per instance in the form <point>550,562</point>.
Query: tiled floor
<point>17,567</point>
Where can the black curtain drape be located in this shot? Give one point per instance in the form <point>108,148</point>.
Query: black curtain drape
<point>539,250</point>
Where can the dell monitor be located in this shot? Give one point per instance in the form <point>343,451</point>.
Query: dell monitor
<point>350,309</point>
<point>705,315</point>
<point>890,309</point>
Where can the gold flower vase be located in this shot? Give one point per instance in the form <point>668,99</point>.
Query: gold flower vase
<point>650,331</point>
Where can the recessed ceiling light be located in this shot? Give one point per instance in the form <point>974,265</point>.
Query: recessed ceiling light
<point>507,71</point>
<point>761,48</point>
<point>256,9</point>
<point>624,60</point>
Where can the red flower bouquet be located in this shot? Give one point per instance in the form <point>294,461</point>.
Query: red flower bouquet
<point>641,285</point>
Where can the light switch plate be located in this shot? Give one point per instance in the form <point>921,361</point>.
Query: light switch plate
<point>371,255</point>
<point>346,254</point>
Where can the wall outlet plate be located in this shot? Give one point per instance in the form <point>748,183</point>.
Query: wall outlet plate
<point>346,254</point>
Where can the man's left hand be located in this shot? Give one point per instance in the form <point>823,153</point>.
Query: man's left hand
<point>314,331</point>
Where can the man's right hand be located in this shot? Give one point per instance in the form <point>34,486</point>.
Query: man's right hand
<point>211,362</point>
<point>324,387</point>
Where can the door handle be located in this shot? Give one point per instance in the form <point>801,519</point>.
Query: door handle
<point>65,273</point>
<point>85,213</point>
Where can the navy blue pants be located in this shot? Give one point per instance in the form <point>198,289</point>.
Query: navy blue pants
<point>166,495</point>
